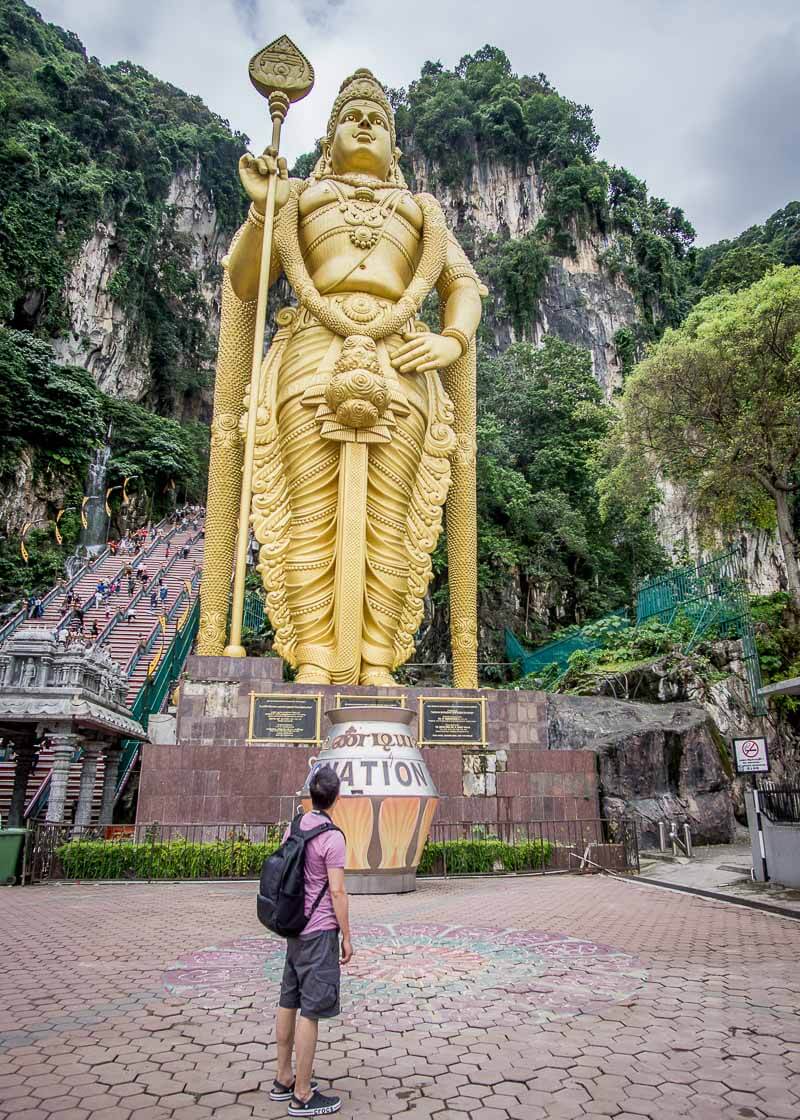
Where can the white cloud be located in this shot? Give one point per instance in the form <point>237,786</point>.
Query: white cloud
<point>660,75</point>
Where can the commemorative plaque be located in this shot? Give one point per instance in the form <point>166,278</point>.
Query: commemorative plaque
<point>281,718</point>
<point>454,719</point>
<point>370,701</point>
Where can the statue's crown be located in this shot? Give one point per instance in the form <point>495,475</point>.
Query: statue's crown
<point>361,86</point>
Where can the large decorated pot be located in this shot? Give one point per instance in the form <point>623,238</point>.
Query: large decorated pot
<point>387,798</point>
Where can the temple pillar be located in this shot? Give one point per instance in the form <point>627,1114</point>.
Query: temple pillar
<point>113,752</point>
<point>24,748</point>
<point>91,754</point>
<point>63,745</point>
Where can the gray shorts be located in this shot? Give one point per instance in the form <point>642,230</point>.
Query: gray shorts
<point>311,975</point>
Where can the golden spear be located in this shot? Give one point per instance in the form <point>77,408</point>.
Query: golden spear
<point>283,75</point>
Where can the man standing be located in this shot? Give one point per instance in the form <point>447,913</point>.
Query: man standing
<point>311,975</point>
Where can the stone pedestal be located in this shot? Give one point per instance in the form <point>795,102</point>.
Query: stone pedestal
<point>214,775</point>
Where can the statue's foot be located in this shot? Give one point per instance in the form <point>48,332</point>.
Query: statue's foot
<point>376,675</point>
<point>311,674</point>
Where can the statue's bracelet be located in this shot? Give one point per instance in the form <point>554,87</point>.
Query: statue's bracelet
<point>459,336</point>
<point>254,216</point>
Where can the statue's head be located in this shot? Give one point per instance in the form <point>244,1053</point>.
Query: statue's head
<point>361,133</point>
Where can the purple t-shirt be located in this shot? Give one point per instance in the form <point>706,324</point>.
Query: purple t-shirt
<point>324,851</point>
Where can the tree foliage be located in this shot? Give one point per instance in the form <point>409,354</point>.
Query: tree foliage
<point>744,259</point>
<point>59,416</point>
<point>541,432</point>
<point>82,143</point>
<point>715,406</point>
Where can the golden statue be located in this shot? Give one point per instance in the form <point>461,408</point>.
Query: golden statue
<point>364,419</point>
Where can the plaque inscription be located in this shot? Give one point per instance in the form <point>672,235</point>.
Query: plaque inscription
<point>455,719</point>
<point>281,718</point>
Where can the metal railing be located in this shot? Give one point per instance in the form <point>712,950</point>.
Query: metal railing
<point>224,850</point>
<point>713,597</point>
<point>155,688</point>
<point>780,803</point>
<point>590,844</point>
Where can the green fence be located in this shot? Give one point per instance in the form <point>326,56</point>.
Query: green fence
<point>558,653</point>
<point>714,597</point>
<point>153,692</point>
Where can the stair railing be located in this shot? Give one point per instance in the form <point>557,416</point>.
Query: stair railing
<point>153,689</point>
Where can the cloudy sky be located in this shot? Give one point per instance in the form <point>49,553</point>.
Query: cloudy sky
<point>701,98</point>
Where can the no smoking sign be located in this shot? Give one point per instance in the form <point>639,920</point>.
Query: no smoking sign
<point>751,756</point>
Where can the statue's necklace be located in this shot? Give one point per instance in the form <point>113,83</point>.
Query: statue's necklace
<point>360,179</point>
<point>364,214</point>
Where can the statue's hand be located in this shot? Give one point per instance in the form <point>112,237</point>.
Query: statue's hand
<point>255,173</point>
<point>423,352</point>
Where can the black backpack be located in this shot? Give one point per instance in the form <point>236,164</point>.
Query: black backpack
<point>280,904</point>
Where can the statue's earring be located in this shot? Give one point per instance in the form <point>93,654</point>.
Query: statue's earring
<point>397,174</point>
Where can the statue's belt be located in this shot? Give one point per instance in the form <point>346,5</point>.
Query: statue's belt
<point>359,311</point>
<point>356,390</point>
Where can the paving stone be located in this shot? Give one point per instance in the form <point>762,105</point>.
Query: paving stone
<point>682,1007</point>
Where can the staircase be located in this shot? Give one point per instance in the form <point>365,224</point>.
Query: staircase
<point>146,647</point>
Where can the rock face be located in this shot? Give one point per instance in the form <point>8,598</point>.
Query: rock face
<point>104,337</point>
<point>27,495</point>
<point>679,528</point>
<point>580,302</point>
<point>656,762</point>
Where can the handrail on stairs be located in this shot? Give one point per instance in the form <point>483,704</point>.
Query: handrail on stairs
<point>157,684</point>
<point>151,695</point>
<point>8,627</point>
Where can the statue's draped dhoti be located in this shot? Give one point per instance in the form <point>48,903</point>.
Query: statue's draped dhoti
<point>343,603</point>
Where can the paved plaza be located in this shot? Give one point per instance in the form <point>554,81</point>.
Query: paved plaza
<point>518,998</point>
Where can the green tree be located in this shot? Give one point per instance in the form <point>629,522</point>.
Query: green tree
<point>716,406</point>
<point>740,267</point>
<point>778,239</point>
<point>542,430</point>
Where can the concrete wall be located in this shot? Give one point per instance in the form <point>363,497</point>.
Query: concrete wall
<point>781,844</point>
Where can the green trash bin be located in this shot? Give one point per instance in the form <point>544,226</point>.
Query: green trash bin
<point>11,840</point>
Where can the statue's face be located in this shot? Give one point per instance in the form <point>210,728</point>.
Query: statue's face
<point>362,141</point>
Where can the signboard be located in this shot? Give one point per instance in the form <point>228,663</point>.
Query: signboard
<point>452,719</point>
<point>379,777</point>
<point>751,756</point>
<point>370,701</point>
<point>282,718</point>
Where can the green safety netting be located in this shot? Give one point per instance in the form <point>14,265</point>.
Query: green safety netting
<point>712,596</point>
<point>534,661</point>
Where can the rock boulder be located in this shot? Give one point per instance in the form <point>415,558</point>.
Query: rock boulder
<point>655,761</point>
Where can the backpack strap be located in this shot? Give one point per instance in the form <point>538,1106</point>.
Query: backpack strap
<point>317,900</point>
<point>309,834</point>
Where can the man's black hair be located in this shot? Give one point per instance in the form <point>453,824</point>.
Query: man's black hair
<point>324,787</point>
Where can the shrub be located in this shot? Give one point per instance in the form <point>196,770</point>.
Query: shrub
<point>482,856</point>
<point>173,859</point>
<point>239,857</point>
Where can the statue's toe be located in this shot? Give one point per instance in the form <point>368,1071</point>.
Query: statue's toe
<point>311,674</point>
<point>377,676</point>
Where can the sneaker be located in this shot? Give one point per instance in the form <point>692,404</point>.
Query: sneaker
<point>316,1105</point>
<point>280,1092</point>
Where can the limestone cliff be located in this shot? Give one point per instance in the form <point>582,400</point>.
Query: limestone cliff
<point>580,302</point>
<point>102,337</point>
<point>680,531</point>
<point>109,339</point>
